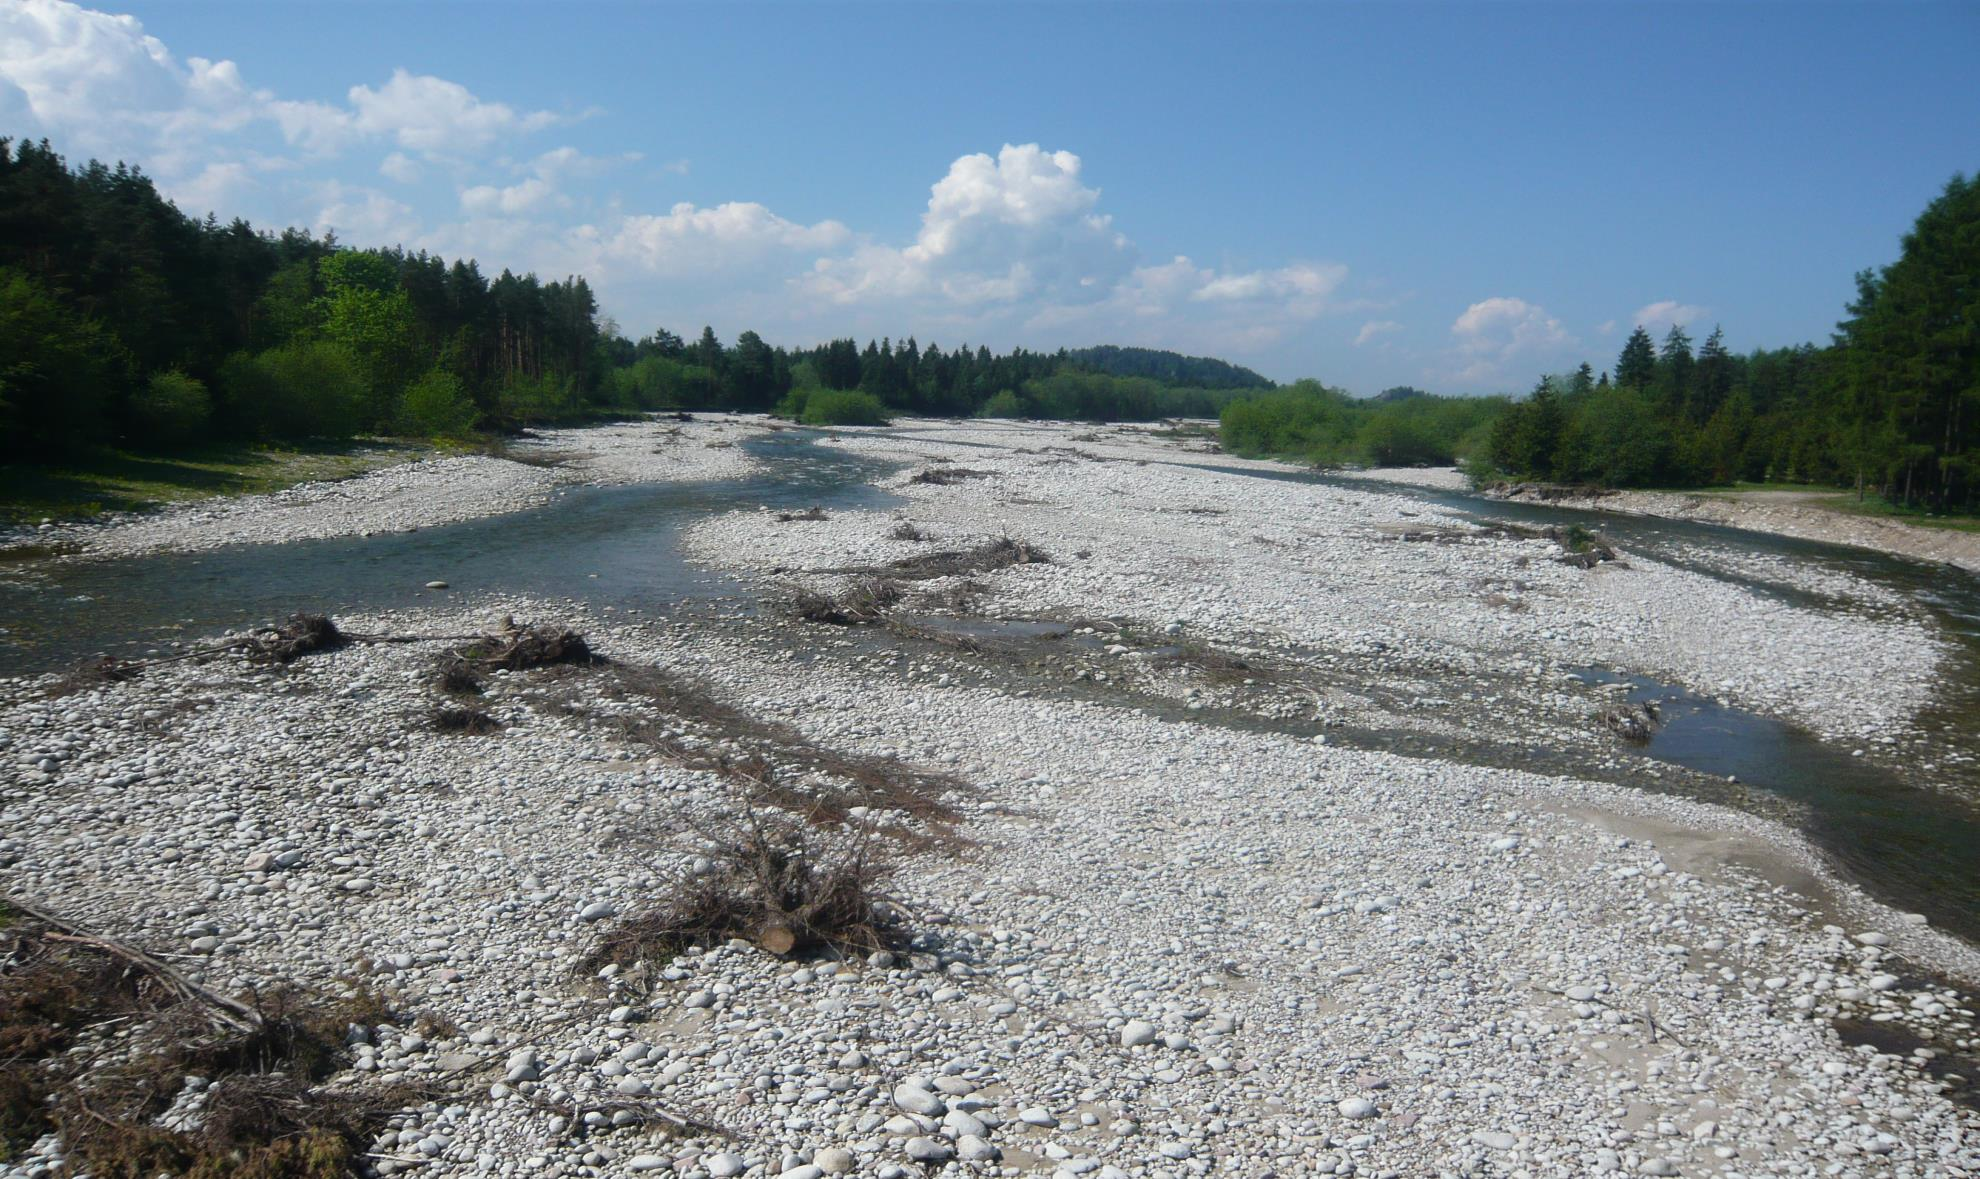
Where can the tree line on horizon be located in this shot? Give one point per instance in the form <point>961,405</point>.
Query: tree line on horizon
<point>125,322</point>
<point>1891,405</point>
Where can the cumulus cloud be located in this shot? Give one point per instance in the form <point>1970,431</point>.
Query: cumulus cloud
<point>1012,245</point>
<point>1374,328</point>
<point>363,216</point>
<point>1492,333</point>
<point>1666,314</point>
<point>400,167</point>
<point>1019,226</point>
<point>688,239</point>
<point>424,113</point>
<point>103,85</point>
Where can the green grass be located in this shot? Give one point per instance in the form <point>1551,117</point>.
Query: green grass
<point>1846,503</point>
<point>82,486</point>
<point>1840,500</point>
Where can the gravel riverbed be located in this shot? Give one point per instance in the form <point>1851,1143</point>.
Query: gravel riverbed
<point>421,494</point>
<point>1154,941</point>
<point>1782,512</point>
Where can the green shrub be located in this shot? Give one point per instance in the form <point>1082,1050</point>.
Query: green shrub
<point>58,371</point>
<point>792,406</point>
<point>307,389</point>
<point>1006,404</point>
<point>547,398</point>
<point>843,407</point>
<point>171,410</point>
<point>437,405</point>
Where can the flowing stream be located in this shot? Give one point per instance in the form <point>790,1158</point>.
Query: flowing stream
<point>616,547</point>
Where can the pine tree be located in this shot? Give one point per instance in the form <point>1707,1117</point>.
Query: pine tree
<point>1637,366</point>
<point>1712,383</point>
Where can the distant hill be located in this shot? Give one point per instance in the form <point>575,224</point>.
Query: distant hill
<point>1197,372</point>
<point>1399,393</point>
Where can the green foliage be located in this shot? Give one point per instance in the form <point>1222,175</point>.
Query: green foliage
<point>1637,365</point>
<point>1325,426</point>
<point>437,405</point>
<point>1616,439</point>
<point>307,389</point>
<point>1169,368</point>
<point>1004,404</point>
<point>537,400</point>
<point>843,407</point>
<point>58,372</point>
<point>170,411</point>
<point>377,329</point>
<point>1912,344</point>
<point>1075,395</point>
<point>355,271</point>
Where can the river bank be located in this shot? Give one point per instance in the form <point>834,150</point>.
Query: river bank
<point>1805,515</point>
<point>408,496</point>
<point>1170,909</point>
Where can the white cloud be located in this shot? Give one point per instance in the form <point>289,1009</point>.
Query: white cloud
<point>1606,328</point>
<point>217,188</point>
<point>1493,333</point>
<point>104,86</point>
<point>1374,328</point>
<point>1017,227</point>
<point>428,114</point>
<point>486,200</point>
<point>692,240</point>
<point>363,216</point>
<point>1665,314</point>
<point>1012,245</point>
<point>100,83</point>
<point>400,167</point>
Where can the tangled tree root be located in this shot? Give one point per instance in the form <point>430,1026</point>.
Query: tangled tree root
<point>189,1082</point>
<point>303,634</point>
<point>469,722</point>
<point>866,602</point>
<point>1635,723</point>
<point>520,648</point>
<point>775,883</point>
<point>946,476</point>
<point>984,558</point>
<point>456,677</point>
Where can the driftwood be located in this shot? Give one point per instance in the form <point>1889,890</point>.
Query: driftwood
<point>231,1012</point>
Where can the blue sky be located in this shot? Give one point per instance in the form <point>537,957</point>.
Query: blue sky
<point>1456,197</point>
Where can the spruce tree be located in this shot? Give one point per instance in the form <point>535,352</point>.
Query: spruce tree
<point>1637,366</point>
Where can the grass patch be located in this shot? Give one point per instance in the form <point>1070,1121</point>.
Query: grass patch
<point>124,480</point>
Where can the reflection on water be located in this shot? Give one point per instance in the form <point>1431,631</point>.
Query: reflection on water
<point>1917,846</point>
<point>600,545</point>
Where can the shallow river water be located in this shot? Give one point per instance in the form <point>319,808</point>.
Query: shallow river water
<point>1918,848</point>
